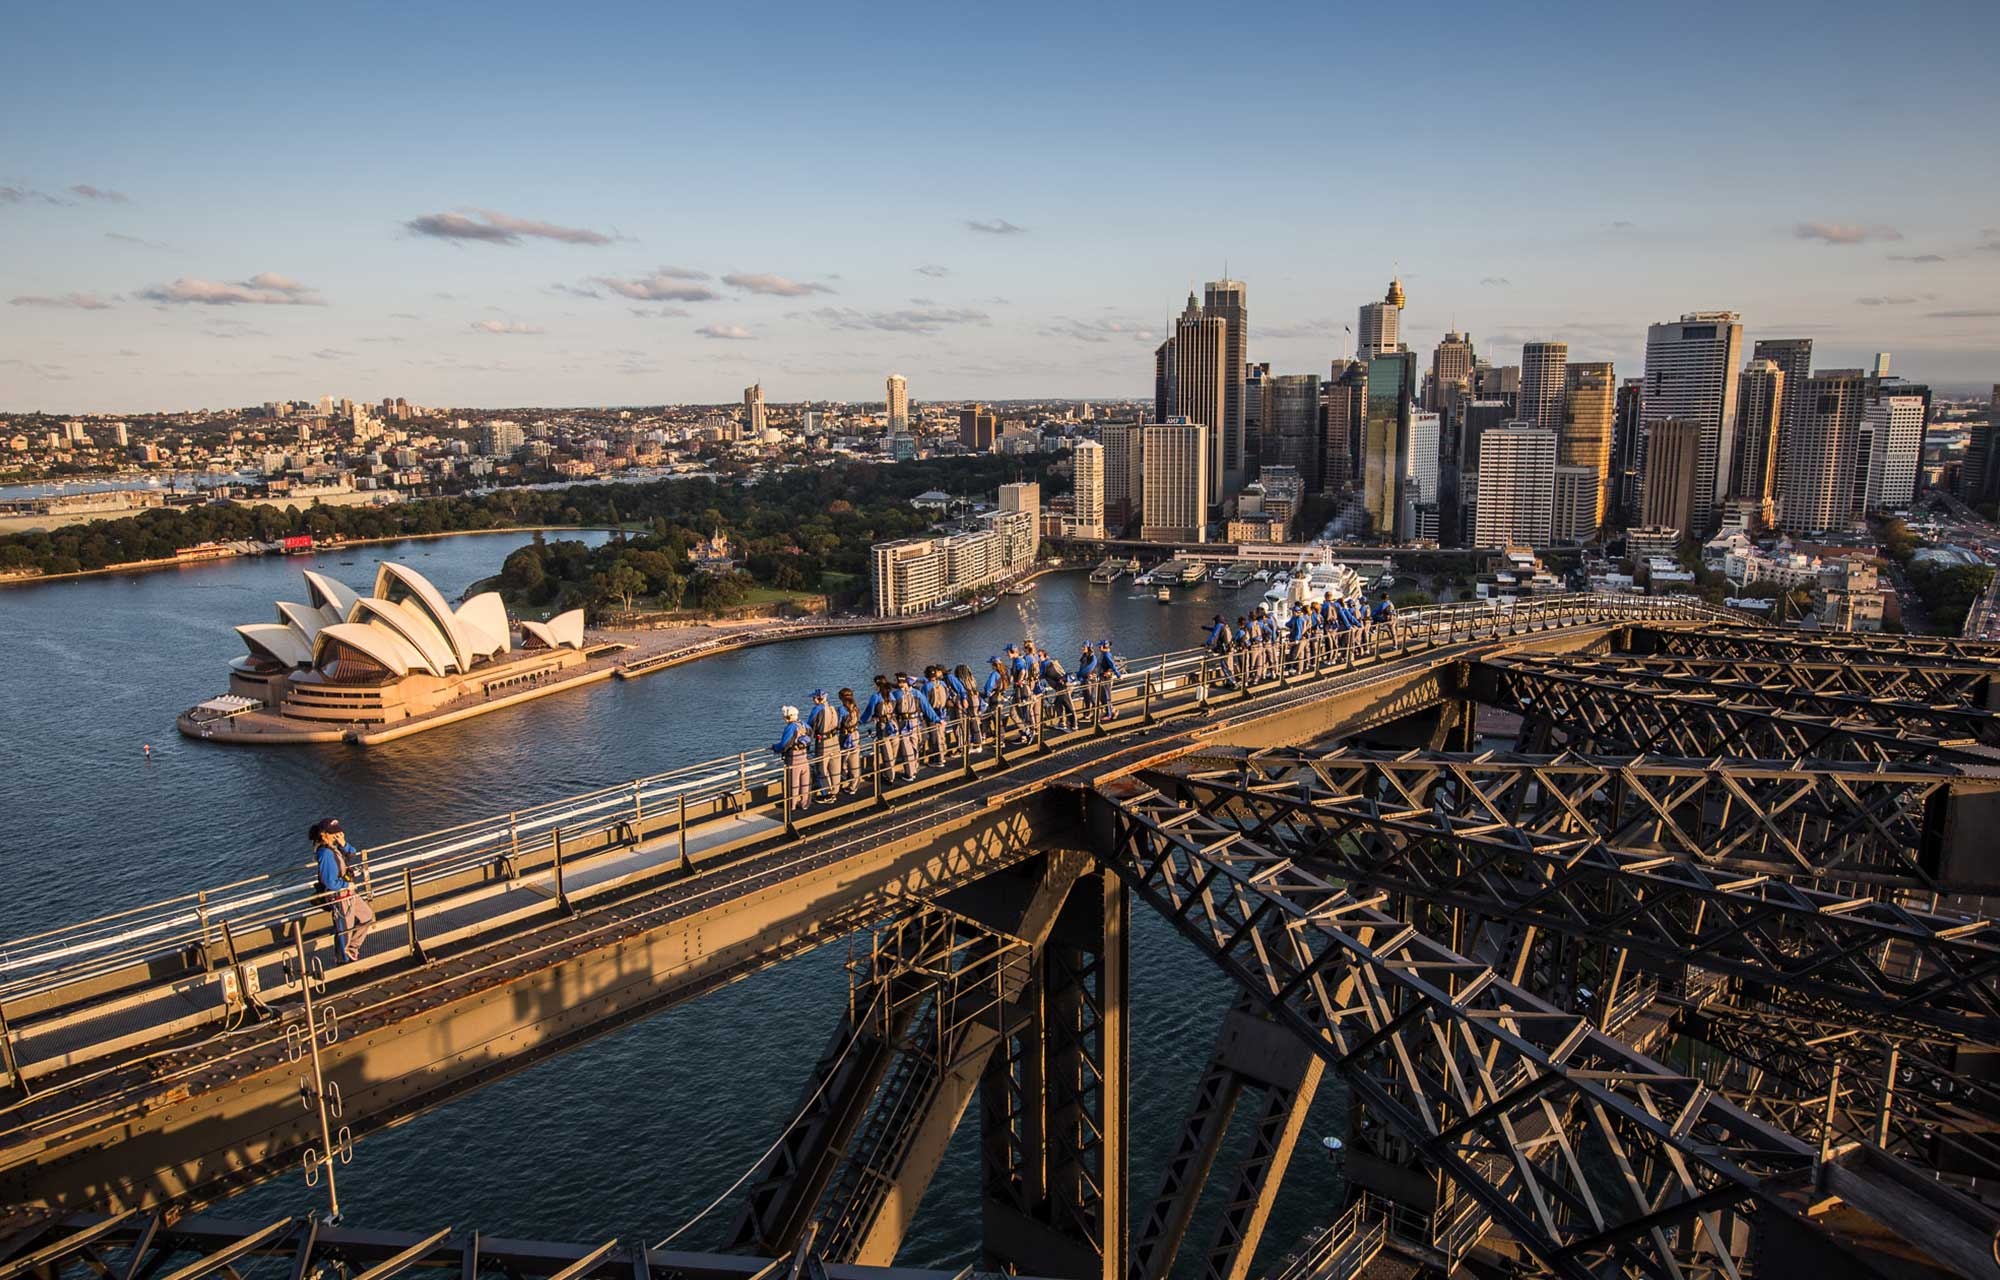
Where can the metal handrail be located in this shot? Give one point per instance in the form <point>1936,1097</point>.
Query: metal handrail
<point>62,956</point>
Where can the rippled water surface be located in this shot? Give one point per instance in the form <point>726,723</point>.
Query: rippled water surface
<point>633,1133</point>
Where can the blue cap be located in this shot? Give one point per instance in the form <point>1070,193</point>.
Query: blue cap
<point>1104,644</point>
<point>819,693</point>
<point>994,659</point>
<point>1013,648</point>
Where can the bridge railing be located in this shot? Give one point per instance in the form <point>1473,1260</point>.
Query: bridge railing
<point>199,923</point>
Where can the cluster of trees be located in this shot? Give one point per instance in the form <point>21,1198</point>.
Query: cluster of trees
<point>807,531</point>
<point>1948,590</point>
<point>791,530</point>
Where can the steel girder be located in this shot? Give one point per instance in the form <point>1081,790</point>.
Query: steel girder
<point>1885,677</point>
<point>1251,1054</point>
<point>136,1245</point>
<point>1852,695</point>
<point>1846,1084</point>
<point>926,1007</point>
<point>1678,862</point>
<point>1726,641</point>
<point>1593,1157</point>
<point>1596,712</point>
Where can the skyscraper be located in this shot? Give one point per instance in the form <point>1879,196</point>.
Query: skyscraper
<point>1976,473</point>
<point>1542,383</point>
<point>1691,372</point>
<point>1421,518</point>
<point>1385,440</point>
<point>753,411</point>
<point>976,428</point>
<point>1818,448</point>
<point>1900,412</point>
<point>1341,400</point>
<point>1253,410</point>
<point>1759,401</point>
<point>1589,405</point>
<point>1793,356</point>
<point>1625,434</point>
<point>899,404</point>
<point>1175,498</point>
<point>1451,366</point>
<point>1673,471</point>
<point>1121,441</point>
<point>1380,328</point>
<point>1291,423</point>
<point>1229,302</point>
<point>1190,381</point>
<point>1087,477</point>
<point>1517,468</point>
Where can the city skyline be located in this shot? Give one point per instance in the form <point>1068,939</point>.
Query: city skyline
<point>489,213</point>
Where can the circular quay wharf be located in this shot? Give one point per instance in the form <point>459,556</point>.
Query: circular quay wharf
<point>1639,940</point>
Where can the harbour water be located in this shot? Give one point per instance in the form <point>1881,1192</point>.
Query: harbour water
<point>632,1134</point>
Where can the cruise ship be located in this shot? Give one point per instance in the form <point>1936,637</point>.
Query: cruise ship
<point>1311,583</point>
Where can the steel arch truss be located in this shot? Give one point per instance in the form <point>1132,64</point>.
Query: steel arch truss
<point>1679,862</point>
<point>1939,703</point>
<point>1593,1157</point>
<point>1601,712</point>
<point>1775,644</point>
<point>1875,676</point>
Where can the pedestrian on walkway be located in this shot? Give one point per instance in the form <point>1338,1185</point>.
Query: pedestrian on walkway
<point>352,916</point>
<point>791,747</point>
<point>847,775</point>
<point>1108,672</point>
<point>822,722</point>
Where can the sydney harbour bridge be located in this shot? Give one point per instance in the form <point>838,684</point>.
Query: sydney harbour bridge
<point>1642,941</point>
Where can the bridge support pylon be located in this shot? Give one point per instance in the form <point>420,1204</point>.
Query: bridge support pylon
<point>1053,1101</point>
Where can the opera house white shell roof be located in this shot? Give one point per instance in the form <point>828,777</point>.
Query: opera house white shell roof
<point>404,627</point>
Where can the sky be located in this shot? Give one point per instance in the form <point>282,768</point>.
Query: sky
<point>508,205</point>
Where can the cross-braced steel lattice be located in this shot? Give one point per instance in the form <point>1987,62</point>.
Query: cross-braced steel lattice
<point>1589,1154</point>
<point>1603,713</point>
<point>1858,696</point>
<point>1722,640</point>
<point>1730,866</point>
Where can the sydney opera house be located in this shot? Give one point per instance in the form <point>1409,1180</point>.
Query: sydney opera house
<point>398,652</point>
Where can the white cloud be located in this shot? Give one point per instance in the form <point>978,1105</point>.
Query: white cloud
<point>89,192</point>
<point>73,301</point>
<point>491,227</point>
<point>910,320</point>
<point>265,289</point>
<point>725,332</point>
<point>934,271</point>
<point>994,226</point>
<point>504,326</point>
<point>1843,232</point>
<point>665,284</point>
<point>774,286</point>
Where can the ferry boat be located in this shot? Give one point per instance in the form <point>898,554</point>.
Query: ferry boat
<point>1019,588</point>
<point>1107,572</point>
<point>1164,595</point>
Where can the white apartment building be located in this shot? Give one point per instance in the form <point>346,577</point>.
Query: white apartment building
<point>1174,492</point>
<point>1517,478</point>
<point>1087,472</point>
<point>1896,424</point>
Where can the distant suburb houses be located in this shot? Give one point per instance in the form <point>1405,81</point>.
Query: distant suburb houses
<point>911,575</point>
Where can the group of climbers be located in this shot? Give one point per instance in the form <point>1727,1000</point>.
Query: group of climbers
<point>941,714</point>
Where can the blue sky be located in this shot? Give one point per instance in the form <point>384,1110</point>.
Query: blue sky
<point>502,204</point>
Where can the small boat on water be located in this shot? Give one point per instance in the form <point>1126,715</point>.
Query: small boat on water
<point>1164,595</point>
<point>1262,575</point>
<point>1020,588</point>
